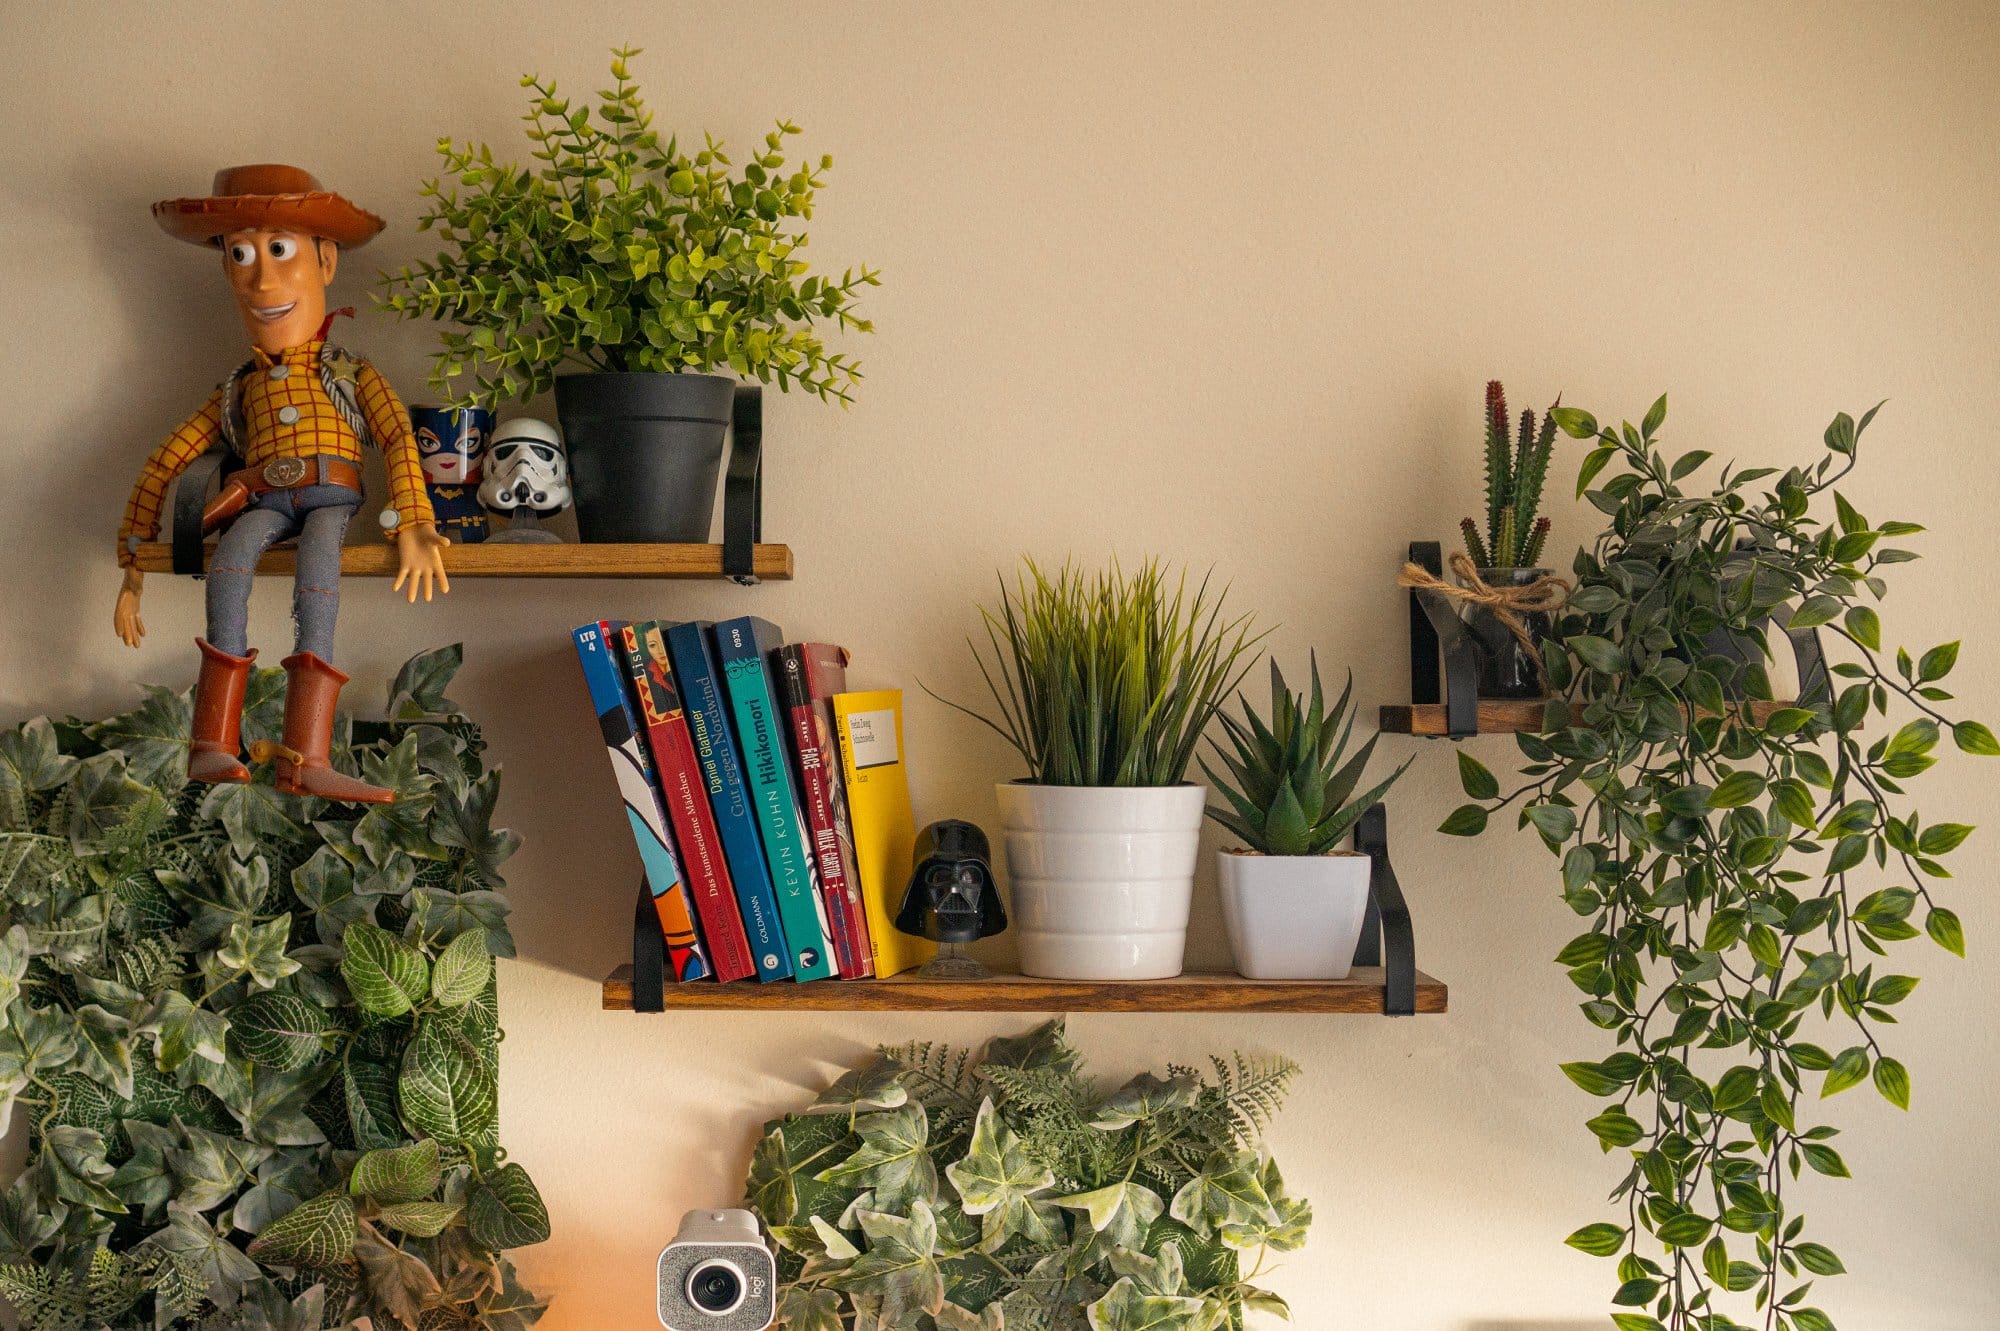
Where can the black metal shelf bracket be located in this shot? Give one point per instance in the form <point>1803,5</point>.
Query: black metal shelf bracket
<point>743,486</point>
<point>1388,939</point>
<point>1444,658</point>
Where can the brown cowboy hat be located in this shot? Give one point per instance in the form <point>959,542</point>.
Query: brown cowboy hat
<point>267,196</point>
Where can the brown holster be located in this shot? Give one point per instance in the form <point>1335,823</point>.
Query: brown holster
<point>240,487</point>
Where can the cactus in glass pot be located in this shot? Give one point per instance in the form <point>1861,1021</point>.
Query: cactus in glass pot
<point>1289,778</point>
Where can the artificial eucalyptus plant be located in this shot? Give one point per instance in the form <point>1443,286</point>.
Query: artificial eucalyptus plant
<point>618,251</point>
<point>1744,869</point>
<point>932,1192</point>
<point>255,1035</point>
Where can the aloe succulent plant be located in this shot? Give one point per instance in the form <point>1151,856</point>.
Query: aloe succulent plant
<point>1515,470</point>
<point>1288,786</point>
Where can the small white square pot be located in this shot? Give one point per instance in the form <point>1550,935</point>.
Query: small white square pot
<point>1100,877</point>
<point>1293,917</point>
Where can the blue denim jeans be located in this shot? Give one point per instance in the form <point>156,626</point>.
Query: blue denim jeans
<point>318,516</point>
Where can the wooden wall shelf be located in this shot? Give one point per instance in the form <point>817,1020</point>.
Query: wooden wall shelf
<point>1504,716</point>
<point>486,560</point>
<point>1361,993</point>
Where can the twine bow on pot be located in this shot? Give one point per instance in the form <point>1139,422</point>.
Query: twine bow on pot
<point>1545,595</point>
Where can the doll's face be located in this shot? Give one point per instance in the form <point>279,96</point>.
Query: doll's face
<point>280,280</point>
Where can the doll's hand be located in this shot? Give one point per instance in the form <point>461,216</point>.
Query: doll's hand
<point>420,550</point>
<point>125,618</point>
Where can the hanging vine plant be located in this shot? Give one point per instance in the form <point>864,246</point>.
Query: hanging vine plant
<point>256,1036</point>
<point>1745,873</point>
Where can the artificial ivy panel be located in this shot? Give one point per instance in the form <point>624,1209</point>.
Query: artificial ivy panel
<point>256,1035</point>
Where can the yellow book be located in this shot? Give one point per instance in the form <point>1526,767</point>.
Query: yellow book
<point>869,730</point>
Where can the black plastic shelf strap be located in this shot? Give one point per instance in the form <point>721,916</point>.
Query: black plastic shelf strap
<point>1439,637</point>
<point>1388,939</point>
<point>743,487</point>
<point>191,493</point>
<point>649,956</point>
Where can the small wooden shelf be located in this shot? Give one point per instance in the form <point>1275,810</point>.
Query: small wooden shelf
<point>1361,993</point>
<point>1502,716</point>
<point>506,560</point>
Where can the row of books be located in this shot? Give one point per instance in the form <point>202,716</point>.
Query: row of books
<point>769,804</point>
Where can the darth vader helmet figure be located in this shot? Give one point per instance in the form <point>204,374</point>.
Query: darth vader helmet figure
<point>526,468</point>
<point>952,897</point>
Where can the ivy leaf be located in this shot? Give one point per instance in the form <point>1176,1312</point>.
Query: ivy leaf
<point>258,951</point>
<point>417,693</point>
<point>397,1174</point>
<point>72,1166</point>
<point>256,815</point>
<point>404,824</point>
<point>997,1180</point>
<point>462,971</point>
<point>1046,1046</point>
<point>899,1266</point>
<point>107,810</point>
<point>325,884</point>
<point>1119,1213</point>
<point>951,1317</point>
<point>446,1089</point>
<point>30,762</point>
<point>153,737</point>
<point>181,1031</point>
<point>35,1041</point>
<point>1143,1098</point>
<point>1229,1191</point>
<point>104,1049</point>
<point>386,975</point>
<point>282,1032</point>
<point>220,1264</point>
<point>315,1234</point>
<point>506,1210</point>
<point>810,1308</point>
<point>877,1086</point>
<point>1125,1307</point>
<point>772,1186</point>
<point>400,1284</point>
<point>893,1159</point>
<point>465,822</point>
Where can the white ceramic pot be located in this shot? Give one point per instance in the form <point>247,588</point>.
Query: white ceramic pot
<point>1293,917</point>
<point>1100,877</point>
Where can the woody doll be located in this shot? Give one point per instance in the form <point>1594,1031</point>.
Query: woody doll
<point>297,415</point>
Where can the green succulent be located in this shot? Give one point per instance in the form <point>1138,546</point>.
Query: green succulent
<point>1291,787</point>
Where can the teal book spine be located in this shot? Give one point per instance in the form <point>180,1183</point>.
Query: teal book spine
<point>743,647</point>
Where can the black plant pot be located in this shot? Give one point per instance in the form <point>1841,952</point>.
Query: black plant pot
<point>1507,669</point>
<point>644,453</point>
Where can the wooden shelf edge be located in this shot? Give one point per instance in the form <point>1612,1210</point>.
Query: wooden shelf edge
<point>1499,716</point>
<point>1360,994</point>
<point>506,560</point>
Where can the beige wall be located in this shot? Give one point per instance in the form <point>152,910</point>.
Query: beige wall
<point>1216,282</point>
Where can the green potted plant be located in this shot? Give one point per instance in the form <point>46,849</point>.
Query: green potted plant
<point>1746,870</point>
<point>932,1188</point>
<point>1293,898</point>
<point>1507,553</point>
<point>1104,683</point>
<point>657,277</point>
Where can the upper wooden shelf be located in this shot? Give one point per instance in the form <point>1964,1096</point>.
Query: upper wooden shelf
<point>1505,716</point>
<point>507,560</point>
<point>1361,993</point>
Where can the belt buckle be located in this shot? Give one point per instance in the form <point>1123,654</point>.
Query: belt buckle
<point>284,473</point>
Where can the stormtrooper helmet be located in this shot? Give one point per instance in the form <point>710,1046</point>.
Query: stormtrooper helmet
<point>526,468</point>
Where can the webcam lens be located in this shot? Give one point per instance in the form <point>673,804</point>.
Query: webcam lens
<point>715,1287</point>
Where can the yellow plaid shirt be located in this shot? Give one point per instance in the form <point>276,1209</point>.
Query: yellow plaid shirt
<point>286,414</point>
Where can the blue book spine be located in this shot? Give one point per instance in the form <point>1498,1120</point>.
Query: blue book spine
<point>742,647</point>
<point>722,774</point>
<point>643,807</point>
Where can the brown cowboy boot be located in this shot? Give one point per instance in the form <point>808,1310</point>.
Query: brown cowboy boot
<point>216,736</point>
<point>304,768</point>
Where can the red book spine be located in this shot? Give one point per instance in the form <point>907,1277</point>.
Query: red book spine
<point>818,768</point>
<point>686,797</point>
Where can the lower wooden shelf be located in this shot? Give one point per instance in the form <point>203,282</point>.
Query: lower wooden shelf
<point>1361,993</point>
<point>507,560</point>
<point>1505,716</point>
